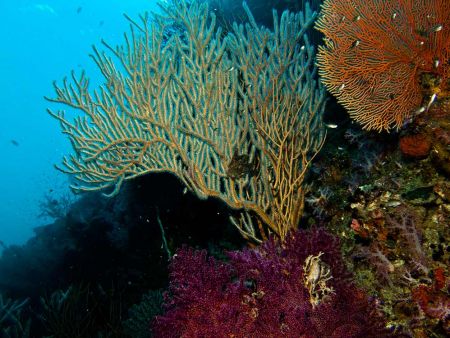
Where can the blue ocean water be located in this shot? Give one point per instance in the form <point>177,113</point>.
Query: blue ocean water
<point>42,41</point>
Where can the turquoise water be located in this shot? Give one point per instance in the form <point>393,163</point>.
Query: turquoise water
<point>42,41</point>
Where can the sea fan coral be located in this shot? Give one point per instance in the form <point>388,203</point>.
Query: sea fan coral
<point>385,60</point>
<point>266,292</point>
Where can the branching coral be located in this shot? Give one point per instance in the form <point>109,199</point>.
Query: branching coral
<point>266,292</point>
<point>385,60</point>
<point>413,285</point>
<point>234,116</point>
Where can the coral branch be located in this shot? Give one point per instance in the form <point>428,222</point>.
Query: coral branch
<point>379,53</point>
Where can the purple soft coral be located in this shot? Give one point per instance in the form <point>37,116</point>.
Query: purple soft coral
<point>266,292</point>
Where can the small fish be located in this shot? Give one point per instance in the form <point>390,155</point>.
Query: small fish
<point>436,63</point>
<point>79,9</point>
<point>45,8</point>
<point>432,98</point>
<point>232,67</point>
<point>331,125</point>
<point>357,18</point>
<point>393,203</point>
<point>394,15</point>
<point>14,142</point>
<point>341,87</point>
<point>420,110</point>
<point>101,23</point>
<point>437,28</point>
<point>356,43</point>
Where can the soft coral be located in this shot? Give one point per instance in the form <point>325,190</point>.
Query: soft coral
<point>261,292</point>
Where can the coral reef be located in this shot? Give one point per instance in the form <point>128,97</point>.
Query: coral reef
<point>207,107</point>
<point>84,249</point>
<point>417,145</point>
<point>12,322</point>
<point>434,300</point>
<point>385,62</point>
<point>298,288</point>
<point>391,212</point>
<point>99,269</point>
<point>410,275</point>
<point>141,315</point>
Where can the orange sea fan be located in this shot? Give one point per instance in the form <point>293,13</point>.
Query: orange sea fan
<point>380,56</point>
